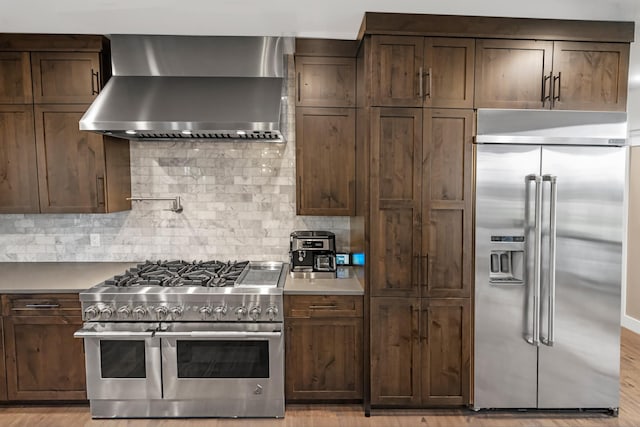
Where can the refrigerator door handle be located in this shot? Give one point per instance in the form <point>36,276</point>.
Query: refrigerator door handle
<point>537,260</point>
<point>552,179</point>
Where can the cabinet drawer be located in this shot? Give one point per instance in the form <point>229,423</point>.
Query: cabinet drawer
<point>41,305</point>
<point>307,306</point>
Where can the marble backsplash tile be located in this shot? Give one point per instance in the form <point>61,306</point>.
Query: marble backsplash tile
<point>238,198</point>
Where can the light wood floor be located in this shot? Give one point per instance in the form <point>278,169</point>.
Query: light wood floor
<point>353,416</point>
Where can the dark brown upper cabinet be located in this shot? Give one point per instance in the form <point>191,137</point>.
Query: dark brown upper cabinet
<point>65,77</point>
<point>46,163</point>
<point>590,76</point>
<point>325,161</point>
<point>422,72</point>
<point>325,127</point>
<point>18,173</point>
<point>15,78</point>
<point>325,82</point>
<point>556,75</point>
<point>511,73</point>
<point>79,172</point>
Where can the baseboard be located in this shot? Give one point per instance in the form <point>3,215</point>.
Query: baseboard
<point>631,323</point>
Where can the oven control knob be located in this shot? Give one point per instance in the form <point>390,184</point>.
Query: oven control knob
<point>219,312</point>
<point>205,312</point>
<point>124,312</point>
<point>241,312</point>
<point>106,312</point>
<point>176,312</point>
<point>91,312</point>
<point>254,313</point>
<point>272,312</point>
<point>139,312</point>
<point>161,312</point>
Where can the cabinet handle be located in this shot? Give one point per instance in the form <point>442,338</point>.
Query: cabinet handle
<point>42,306</point>
<point>424,272</point>
<point>557,79</point>
<point>323,307</point>
<point>420,82</point>
<point>430,85</point>
<point>299,77</point>
<point>95,88</point>
<point>415,270</point>
<point>424,332</point>
<point>544,96</point>
<point>417,333</point>
<point>100,190</point>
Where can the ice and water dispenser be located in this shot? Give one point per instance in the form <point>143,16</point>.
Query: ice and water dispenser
<point>507,260</point>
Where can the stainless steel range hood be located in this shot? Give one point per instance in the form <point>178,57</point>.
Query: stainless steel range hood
<point>184,87</point>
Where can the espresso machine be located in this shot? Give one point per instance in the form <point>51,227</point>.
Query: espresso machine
<point>312,254</point>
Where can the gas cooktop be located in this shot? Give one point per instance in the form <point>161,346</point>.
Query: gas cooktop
<point>181,273</point>
<point>189,291</point>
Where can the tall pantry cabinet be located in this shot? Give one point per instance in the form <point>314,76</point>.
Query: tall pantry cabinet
<point>420,221</point>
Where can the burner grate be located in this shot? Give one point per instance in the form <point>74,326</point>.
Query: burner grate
<point>180,273</point>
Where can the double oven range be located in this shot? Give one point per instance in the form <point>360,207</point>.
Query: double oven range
<point>180,339</point>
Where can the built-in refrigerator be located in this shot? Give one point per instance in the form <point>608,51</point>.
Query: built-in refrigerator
<point>548,258</point>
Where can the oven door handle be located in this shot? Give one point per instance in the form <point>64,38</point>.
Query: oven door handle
<point>90,333</point>
<point>218,334</point>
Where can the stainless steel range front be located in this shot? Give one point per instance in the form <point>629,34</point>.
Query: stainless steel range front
<point>179,339</point>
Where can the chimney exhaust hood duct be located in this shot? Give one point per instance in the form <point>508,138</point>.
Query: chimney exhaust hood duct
<point>192,88</point>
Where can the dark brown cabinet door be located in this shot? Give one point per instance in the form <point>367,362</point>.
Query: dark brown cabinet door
<point>18,168</point>
<point>448,72</point>
<point>447,180</point>
<point>446,351</point>
<point>395,351</point>
<point>512,73</point>
<point>418,71</point>
<point>3,371</point>
<point>324,358</point>
<point>590,76</point>
<point>325,82</point>
<point>65,77</point>
<point>397,63</point>
<point>71,165</point>
<point>15,78</point>
<point>325,161</point>
<point>395,179</point>
<point>43,360</point>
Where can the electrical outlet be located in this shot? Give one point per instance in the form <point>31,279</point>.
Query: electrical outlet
<point>94,239</point>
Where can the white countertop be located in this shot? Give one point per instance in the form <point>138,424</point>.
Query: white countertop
<point>56,277</point>
<point>346,284</point>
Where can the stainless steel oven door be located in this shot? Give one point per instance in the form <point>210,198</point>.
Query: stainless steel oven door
<point>226,361</point>
<point>122,360</point>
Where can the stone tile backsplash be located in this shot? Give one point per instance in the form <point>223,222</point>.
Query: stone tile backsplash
<point>238,198</point>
